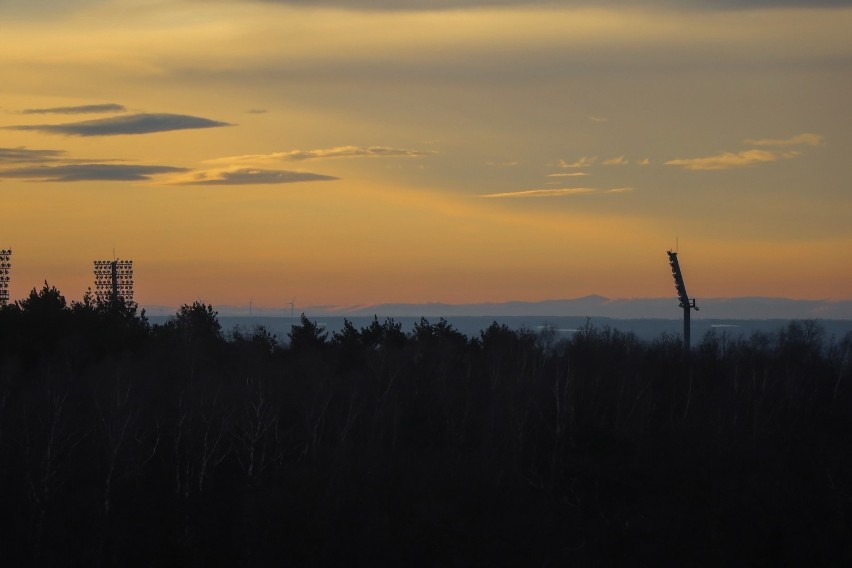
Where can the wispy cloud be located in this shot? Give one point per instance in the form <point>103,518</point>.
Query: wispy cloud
<point>583,162</point>
<point>566,191</point>
<point>256,111</point>
<point>23,155</point>
<point>807,139</point>
<point>618,161</point>
<point>598,119</point>
<point>563,192</point>
<point>336,152</point>
<point>731,160</point>
<point>745,158</point>
<point>644,162</point>
<point>82,109</point>
<point>247,176</point>
<point>502,164</point>
<point>88,172</point>
<point>568,174</point>
<point>144,123</point>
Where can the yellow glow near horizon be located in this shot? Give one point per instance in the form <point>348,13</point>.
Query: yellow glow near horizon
<point>731,133</point>
<point>374,245</point>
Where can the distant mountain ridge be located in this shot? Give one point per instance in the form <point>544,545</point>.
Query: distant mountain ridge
<point>716,308</point>
<point>592,306</point>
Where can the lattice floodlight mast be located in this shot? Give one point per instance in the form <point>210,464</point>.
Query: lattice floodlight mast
<point>685,302</point>
<point>5,268</point>
<point>114,281</point>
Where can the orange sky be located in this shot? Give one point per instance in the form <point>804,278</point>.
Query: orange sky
<point>357,153</point>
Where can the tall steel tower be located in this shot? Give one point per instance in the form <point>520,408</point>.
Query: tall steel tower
<point>685,302</point>
<point>114,281</point>
<point>5,268</point>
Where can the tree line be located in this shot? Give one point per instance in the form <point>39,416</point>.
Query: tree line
<point>126,443</point>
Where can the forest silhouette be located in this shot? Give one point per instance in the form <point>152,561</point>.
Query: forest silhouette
<point>129,444</point>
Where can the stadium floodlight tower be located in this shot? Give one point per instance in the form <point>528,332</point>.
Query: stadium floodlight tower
<point>685,302</point>
<point>5,268</point>
<point>114,281</point>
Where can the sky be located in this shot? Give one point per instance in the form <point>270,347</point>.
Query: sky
<point>352,152</point>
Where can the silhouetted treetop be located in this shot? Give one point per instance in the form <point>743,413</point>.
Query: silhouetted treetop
<point>388,334</point>
<point>259,338</point>
<point>307,335</point>
<point>45,302</point>
<point>198,323</point>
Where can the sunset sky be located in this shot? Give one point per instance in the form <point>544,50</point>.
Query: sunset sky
<point>349,152</point>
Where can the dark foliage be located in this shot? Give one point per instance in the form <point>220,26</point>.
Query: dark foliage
<point>126,444</point>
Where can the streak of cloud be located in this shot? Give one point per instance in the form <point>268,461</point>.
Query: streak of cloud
<point>23,155</point>
<point>336,152</point>
<point>144,123</point>
<point>568,174</point>
<point>82,109</point>
<point>563,192</point>
<point>583,162</point>
<point>88,172</point>
<point>807,139</point>
<point>247,176</point>
<point>731,160</point>
<point>618,161</point>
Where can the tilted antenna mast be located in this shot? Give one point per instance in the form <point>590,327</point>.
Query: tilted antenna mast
<point>685,302</point>
<point>5,268</point>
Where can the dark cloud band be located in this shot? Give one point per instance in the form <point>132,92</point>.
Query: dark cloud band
<point>89,172</point>
<point>24,155</point>
<point>83,109</point>
<point>251,176</point>
<point>145,123</point>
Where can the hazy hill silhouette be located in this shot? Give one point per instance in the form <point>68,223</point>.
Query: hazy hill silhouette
<point>587,306</point>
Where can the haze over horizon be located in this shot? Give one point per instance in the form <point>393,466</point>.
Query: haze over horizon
<point>746,308</point>
<point>346,152</point>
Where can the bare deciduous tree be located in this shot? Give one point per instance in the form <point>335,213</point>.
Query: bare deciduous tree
<point>254,429</point>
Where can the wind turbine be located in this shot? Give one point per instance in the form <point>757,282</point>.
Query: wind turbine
<point>292,309</point>
<point>251,301</point>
